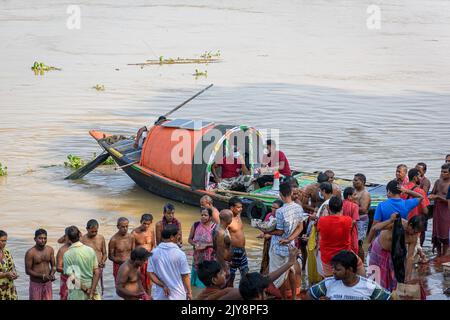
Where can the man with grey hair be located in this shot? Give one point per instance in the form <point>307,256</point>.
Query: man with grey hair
<point>207,202</point>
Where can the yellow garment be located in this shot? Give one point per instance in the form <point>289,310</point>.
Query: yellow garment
<point>313,274</point>
<point>7,288</point>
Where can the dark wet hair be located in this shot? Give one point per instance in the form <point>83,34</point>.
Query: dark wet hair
<point>73,234</point>
<point>445,166</point>
<point>447,156</point>
<point>170,230</point>
<point>270,142</point>
<point>412,173</point>
<point>402,166</point>
<point>233,201</point>
<point>292,181</point>
<point>92,224</point>
<point>327,172</point>
<point>285,189</point>
<point>361,176</point>
<point>3,234</point>
<point>327,187</point>
<point>335,204</point>
<point>38,232</point>
<point>278,202</point>
<point>207,270</point>
<point>424,165</point>
<point>348,192</point>
<point>322,177</point>
<point>122,219</point>
<point>146,217</point>
<point>392,187</point>
<point>168,207</point>
<point>345,258</point>
<point>417,223</point>
<point>139,254</point>
<point>209,210</point>
<point>252,284</point>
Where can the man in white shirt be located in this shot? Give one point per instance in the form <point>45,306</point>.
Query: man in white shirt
<point>168,268</point>
<point>345,283</point>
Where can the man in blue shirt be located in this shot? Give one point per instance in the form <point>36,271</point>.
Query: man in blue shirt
<point>395,203</point>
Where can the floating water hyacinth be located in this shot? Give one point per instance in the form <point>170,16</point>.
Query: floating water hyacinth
<point>3,170</point>
<point>74,162</point>
<point>40,68</point>
<point>199,73</point>
<point>99,87</point>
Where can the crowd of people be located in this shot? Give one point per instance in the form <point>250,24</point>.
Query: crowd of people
<point>318,229</point>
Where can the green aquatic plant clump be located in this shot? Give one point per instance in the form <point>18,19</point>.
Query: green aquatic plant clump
<point>110,161</point>
<point>199,73</point>
<point>74,162</point>
<point>99,87</point>
<point>40,67</point>
<point>210,54</point>
<point>3,170</point>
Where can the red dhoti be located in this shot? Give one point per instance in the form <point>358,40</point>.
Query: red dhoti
<point>146,282</point>
<point>116,267</point>
<point>441,223</point>
<point>41,291</point>
<point>63,290</point>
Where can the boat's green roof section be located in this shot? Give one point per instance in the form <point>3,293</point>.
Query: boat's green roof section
<point>305,179</point>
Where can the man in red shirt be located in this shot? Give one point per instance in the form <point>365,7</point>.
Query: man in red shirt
<point>235,174</point>
<point>276,160</point>
<point>351,209</point>
<point>335,235</point>
<point>421,209</point>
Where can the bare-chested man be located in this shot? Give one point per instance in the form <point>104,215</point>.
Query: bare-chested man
<point>97,242</point>
<point>362,198</point>
<point>236,228</point>
<point>129,285</point>
<point>312,200</point>
<point>207,202</point>
<point>441,212</point>
<point>144,236</point>
<point>40,266</point>
<point>336,189</point>
<point>222,239</point>
<point>63,290</point>
<point>380,253</point>
<point>425,183</point>
<point>168,219</point>
<point>120,246</point>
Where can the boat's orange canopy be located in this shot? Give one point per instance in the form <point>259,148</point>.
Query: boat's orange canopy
<point>184,151</point>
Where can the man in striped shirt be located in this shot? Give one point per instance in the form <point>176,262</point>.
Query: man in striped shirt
<point>346,284</point>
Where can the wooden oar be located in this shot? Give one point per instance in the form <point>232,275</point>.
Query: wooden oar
<point>88,168</point>
<point>163,117</point>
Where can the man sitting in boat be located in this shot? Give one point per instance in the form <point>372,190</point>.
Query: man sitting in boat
<point>275,160</point>
<point>140,137</point>
<point>235,174</point>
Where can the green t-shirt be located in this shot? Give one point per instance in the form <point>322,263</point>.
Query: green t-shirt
<point>80,260</point>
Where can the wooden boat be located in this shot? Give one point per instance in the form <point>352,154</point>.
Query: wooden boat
<point>176,158</point>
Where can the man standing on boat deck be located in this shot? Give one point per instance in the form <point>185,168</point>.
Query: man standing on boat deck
<point>235,173</point>
<point>236,228</point>
<point>41,267</point>
<point>362,197</point>
<point>207,202</point>
<point>275,159</point>
<point>144,236</point>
